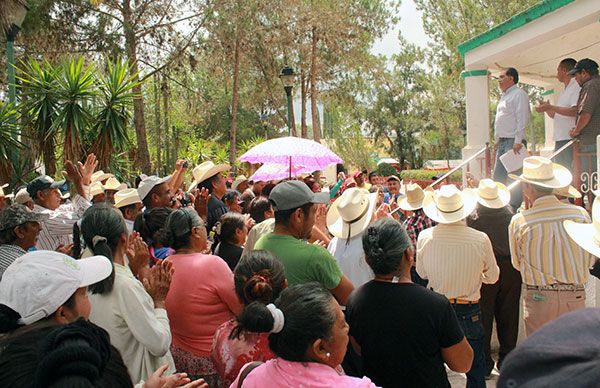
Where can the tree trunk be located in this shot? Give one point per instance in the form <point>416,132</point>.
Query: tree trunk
<point>313,87</point>
<point>157,122</point>
<point>303,91</point>
<point>165,98</point>
<point>234,106</point>
<point>143,155</point>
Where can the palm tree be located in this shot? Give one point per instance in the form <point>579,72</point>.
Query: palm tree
<point>115,111</point>
<point>38,84</point>
<point>8,116</point>
<point>75,89</point>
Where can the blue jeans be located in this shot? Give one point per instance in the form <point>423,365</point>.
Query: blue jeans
<point>501,175</point>
<point>469,318</point>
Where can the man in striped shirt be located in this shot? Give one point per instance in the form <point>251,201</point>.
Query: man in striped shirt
<point>553,267</point>
<point>57,230</point>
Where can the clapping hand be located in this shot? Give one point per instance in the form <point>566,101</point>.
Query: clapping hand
<point>201,202</point>
<point>137,252</point>
<point>158,282</point>
<point>87,169</point>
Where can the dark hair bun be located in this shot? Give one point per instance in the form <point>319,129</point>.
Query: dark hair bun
<point>258,287</point>
<point>373,249</point>
<point>73,355</point>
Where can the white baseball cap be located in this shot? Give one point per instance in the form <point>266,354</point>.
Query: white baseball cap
<point>36,284</point>
<point>148,184</point>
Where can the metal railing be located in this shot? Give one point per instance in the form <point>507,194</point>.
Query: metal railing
<point>462,164</point>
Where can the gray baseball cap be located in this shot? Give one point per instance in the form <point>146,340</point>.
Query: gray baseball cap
<point>16,215</point>
<point>293,194</point>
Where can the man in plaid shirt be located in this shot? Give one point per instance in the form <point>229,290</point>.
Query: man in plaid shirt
<point>416,222</point>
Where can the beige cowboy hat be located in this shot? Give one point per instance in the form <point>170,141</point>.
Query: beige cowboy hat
<point>206,170</point>
<point>448,204</point>
<point>540,171</point>
<point>100,175</point>
<point>96,188</point>
<point>567,191</point>
<point>587,236</point>
<point>492,194</point>
<point>22,196</point>
<point>351,213</point>
<point>126,197</point>
<point>413,199</point>
<point>239,179</point>
<point>113,184</point>
<point>4,186</point>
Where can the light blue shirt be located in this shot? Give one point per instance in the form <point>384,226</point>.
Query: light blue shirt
<point>512,114</point>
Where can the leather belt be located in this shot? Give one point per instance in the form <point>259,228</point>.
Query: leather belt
<point>462,301</point>
<point>557,287</point>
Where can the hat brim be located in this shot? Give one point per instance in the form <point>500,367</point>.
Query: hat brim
<point>562,177</point>
<point>500,201</point>
<point>57,184</point>
<point>431,210</point>
<point>102,177</point>
<point>404,204</point>
<point>94,269</point>
<point>583,235</point>
<point>338,228</point>
<point>320,197</point>
<point>571,192</point>
<point>574,71</point>
<point>219,168</point>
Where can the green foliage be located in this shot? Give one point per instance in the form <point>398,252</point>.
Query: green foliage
<point>114,114</point>
<point>385,169</point>
<point>428,175</point>
<point>8,116</point>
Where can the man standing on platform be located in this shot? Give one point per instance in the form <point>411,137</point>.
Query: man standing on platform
<point>564,111</point>
<point>553,267</point>
<point>512,117</point>
<point>588,110</point>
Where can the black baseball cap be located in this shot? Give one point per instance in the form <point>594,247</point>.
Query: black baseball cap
<point>584,64</point>
<point>42,183</point>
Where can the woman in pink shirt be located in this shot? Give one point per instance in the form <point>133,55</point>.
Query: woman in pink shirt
<point>201,296</point>
<point>259,276</point>
<point>309,335</point>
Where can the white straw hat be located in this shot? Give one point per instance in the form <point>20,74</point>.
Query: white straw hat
<point>239,179</point>
<point>587,236</point>
<point>113,184</point>
<point>206,170</point>
<point>22,196</point>
<point>351,213</point>
<point>448,204</point>
<point>4,186</point>
<point>568,191</point>
<point>126,197</point>
<point>414,198</point>
<point>36,284</point>
<point>100,175</point>
<point>492,194</point>
<point>540,171</point>
<point>96,188</point>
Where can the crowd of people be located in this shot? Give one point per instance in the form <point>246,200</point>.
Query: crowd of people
<point>226,282</point>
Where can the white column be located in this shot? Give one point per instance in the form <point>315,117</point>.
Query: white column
<point>477,90</point>
<point>548,147</point>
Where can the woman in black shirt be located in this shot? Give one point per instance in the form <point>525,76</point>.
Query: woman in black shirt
<point>232,231</point>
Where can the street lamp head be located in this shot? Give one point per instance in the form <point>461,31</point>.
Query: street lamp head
<point>288,77</point>
<point>14,14</point>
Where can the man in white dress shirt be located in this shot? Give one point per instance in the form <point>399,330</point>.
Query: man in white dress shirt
<point>564,112</point>
<point>512,118</point>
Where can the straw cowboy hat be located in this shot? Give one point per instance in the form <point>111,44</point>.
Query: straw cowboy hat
<point>492,194</point>
<point>587,236</point>
<point>351,213</point>
<point>540,171</point>
<point>568,191</point>
<point>113,184</point>
<point>206,170</point>
<point>126,197</point>
<point>238,180</point>
<point>4,186</point>
<point>100,175</point>
<point>96,188</point>
<point>413,199</point>
<point>448,204</point>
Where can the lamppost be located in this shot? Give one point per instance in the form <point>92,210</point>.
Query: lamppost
<point>15,14</point>
<point>288,77</point>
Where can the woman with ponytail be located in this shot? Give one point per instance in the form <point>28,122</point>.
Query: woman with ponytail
<point>258,277</point>
<point>308,334</point>
<point>201,297</point>
<point>404,332</point>
<point>132,311</point>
